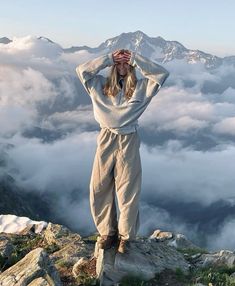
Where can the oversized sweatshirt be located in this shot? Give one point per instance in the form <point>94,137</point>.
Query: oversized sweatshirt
<point>117,113</point>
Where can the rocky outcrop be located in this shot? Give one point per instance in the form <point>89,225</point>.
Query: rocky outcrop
<point>36,264</point>
<point>177,240</point>
<point>220,258</point>
<point>144,259</point>
<point>57,256</point>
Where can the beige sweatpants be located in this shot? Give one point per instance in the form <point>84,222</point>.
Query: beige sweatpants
<point>116,170</point>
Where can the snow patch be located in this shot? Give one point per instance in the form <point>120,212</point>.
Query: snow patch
<point>15,224</point>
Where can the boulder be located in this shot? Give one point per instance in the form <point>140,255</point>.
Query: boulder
<point>36,264</point>
<point>39,282</point>
<point>59,234</point>
<point>144,258</point>
<point>177,240</point>
<point>221,258</point>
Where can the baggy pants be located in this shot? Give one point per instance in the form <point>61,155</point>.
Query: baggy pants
<point>116,169</point>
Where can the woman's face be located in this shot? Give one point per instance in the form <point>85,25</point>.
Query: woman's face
<point>122,68</point>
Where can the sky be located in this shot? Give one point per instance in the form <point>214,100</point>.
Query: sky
<point>204,25</point>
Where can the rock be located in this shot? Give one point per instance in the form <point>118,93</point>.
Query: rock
<point>36,264</point>
<point>161,235</point>
<point>232,275</point>
<point>79,259</point>
<point>6,247</point>
<point>221,258</point>
<point>78,266</point>
<point>144,259</point>
<point>72,250</point>
<point>85,269</point>
<point>33,228</point>
<point>106,272</point>
<point>28,229</point>
<point>177,240</point>
<point>39,282</point>
<point>181,241</point>
<point>59,234</point>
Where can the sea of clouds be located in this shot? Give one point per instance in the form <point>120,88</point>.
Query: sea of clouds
<point>187,134</point>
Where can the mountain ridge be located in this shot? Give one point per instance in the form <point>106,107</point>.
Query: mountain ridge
<point>157,48</point>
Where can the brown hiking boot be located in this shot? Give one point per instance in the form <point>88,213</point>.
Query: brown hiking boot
<point>123,246</point>
<point>107,241</point>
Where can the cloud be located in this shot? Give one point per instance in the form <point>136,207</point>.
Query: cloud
<point>190,175</point>
<point>226,126</point>
<point>152,218</point>
<point>21,92</point>
<point>30,46</point>
<point>44,166</point>
<point>178,110</point>
<point>224,238</point>
<point>81,118</point>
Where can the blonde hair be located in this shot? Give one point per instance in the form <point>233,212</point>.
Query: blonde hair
<point>111,87</point>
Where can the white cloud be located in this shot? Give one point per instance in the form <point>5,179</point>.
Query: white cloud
<point>59,166</point>
<point>79,119</point>
<point>226,126</point>
<point>32,46</point>
<point>178,110</point>
<point>224,239</point>
<point>190,175</point>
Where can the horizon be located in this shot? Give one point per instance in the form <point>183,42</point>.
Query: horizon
<point>221,56</point>
<point>61,22</point>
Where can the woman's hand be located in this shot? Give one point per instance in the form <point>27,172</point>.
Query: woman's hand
<point>121,56</point>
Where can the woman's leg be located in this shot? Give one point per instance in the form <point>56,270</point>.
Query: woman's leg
<point>128,178</point>
<point>102,188</point>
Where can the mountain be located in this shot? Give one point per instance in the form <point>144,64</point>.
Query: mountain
<point>5,40</point>
<point>17,201</point>
<point>157,49</point>
<point>45,39</point>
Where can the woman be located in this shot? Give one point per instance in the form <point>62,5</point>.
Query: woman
<point>118,101</point>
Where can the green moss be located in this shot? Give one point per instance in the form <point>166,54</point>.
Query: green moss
<point>92,238</point>
<point>85,280</point>
<point>132,280</point>
<point>64,263</point>
<point>192,251</point>
<point>23,244</point>
<point>180,275</point>
<point>2,261</point>
<point>218,276</point>
<point>51,248</point>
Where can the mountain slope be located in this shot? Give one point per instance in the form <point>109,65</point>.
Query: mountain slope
<point>155,48</point>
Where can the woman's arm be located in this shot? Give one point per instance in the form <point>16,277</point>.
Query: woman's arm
<point>154,73</point>
<point>87,71</point>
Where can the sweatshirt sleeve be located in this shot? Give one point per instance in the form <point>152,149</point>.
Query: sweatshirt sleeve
<point>154,73</point>
<point>87,72</point>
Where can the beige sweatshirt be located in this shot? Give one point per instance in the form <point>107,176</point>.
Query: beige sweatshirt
<point>116,113</point>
